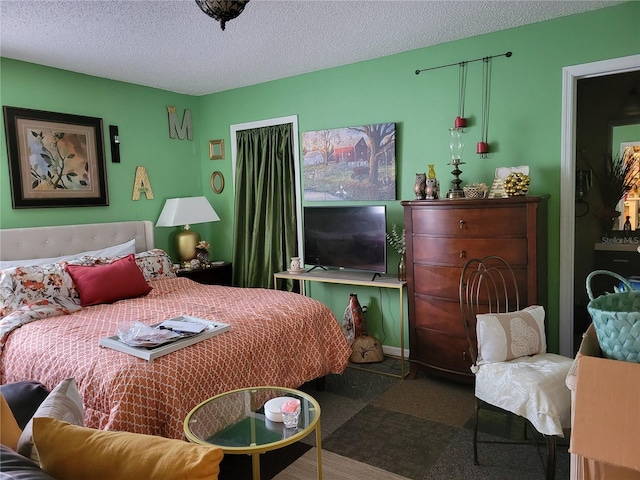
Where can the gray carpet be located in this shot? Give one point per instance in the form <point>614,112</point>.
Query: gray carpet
<point>379,427</point>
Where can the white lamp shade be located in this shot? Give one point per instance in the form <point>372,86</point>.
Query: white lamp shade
<point>185,211</point>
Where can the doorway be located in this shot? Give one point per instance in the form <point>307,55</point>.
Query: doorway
<point>570,77</point>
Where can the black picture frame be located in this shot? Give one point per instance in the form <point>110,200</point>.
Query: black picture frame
<point>55,159</point>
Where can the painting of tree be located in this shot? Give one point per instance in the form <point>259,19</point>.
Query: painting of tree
<point>352,163</point>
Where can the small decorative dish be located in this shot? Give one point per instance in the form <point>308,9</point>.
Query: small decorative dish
<point>298,270</point>
<point>272,408</point>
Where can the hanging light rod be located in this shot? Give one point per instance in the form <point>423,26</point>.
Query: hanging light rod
<point>464,62</point>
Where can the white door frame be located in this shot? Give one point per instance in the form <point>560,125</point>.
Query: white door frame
<point>293,120</point>
<point>570,77</point>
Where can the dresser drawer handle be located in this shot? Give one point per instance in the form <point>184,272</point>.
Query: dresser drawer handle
<point>463,254</point>
<point>462,222</point>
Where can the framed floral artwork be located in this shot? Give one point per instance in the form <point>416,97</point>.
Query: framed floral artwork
<point>55,159</point>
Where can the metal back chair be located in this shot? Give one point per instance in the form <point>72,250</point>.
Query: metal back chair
<point>489,286</point>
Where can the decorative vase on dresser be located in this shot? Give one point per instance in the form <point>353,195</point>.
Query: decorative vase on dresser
<point>402,268</point>
<point>441,235</point>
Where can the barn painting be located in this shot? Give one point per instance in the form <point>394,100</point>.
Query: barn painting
<point>352,163</point>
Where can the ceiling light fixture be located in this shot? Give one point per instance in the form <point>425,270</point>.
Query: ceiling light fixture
<point>222,10</point>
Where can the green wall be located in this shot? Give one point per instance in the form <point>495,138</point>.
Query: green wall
<point>524,126</point>
<point>141,115</point>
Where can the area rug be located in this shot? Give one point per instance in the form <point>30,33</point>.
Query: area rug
<point>334,467</point>
<point>432,399</point>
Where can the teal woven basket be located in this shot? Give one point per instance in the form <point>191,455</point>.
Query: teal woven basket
<point>616,318</point>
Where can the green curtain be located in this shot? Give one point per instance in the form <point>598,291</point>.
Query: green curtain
<point>265,205</point>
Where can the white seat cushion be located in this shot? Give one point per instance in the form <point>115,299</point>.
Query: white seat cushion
<point>531,387</point>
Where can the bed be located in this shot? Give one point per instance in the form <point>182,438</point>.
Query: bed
<point>277,338</point>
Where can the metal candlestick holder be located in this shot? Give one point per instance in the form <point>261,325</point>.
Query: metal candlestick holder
<point>456,146</point>
<point>456,191</point>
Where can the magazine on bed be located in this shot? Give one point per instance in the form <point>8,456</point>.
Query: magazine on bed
<point>172,334</point>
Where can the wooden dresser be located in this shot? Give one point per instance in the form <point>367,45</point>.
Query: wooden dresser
<point>441,236</point>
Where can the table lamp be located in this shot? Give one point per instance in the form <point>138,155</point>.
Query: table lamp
<point>186,211</point>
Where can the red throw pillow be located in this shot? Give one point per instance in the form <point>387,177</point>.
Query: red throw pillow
<point>109,283</point>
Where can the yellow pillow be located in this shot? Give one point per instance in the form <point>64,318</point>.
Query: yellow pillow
<point>70,452</point>
<point>9,429</point>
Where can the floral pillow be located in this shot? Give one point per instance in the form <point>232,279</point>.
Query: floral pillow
<point>155,264</point>
<point>22,286</point>
<point>505,336</point>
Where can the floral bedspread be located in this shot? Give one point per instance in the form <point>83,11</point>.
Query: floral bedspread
<point>277,338</point>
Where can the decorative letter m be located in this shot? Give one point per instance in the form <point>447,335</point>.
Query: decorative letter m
<point>177,130</point>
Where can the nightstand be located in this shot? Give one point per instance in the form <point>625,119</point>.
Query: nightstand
<point>214,274</point>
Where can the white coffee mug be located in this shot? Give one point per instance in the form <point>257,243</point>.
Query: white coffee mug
<point>295,263</point>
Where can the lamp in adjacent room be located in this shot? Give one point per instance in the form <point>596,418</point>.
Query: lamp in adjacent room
<point>222,10</point>
<point>185,212</point>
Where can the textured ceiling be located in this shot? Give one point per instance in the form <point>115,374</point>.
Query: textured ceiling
<point>174,46</point>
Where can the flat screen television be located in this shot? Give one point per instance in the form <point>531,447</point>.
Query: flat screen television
<point>347,237</point>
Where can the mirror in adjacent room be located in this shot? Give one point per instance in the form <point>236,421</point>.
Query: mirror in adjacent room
<point>624,141</point>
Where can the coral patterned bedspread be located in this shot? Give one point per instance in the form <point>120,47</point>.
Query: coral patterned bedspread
<point>277,338</point>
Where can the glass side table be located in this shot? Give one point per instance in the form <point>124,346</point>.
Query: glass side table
<point>236,422</point>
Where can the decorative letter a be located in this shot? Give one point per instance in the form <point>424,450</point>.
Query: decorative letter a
<point>176,130</point>
<point>141,184</point>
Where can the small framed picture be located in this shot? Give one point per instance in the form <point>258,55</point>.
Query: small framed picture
<point>216,149</point>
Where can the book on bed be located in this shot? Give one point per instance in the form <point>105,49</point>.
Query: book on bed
<point>191,330</point>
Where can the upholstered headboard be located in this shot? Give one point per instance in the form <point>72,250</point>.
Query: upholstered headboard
<point>45,242</point>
